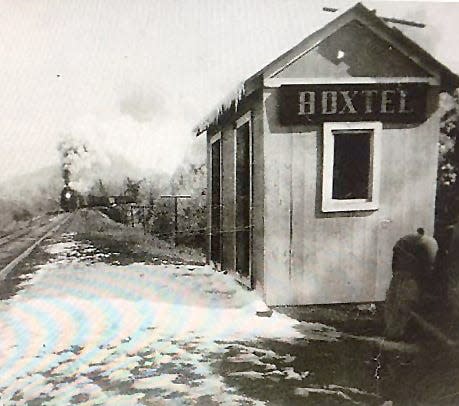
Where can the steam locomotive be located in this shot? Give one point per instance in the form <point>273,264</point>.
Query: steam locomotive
<point>72,200</point>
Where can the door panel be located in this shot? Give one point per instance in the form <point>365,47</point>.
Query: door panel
<point>215,242</point>
<point>243,201</point>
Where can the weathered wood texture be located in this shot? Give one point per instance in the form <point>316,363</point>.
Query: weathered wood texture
<point>228,194</point>
<point>312,257</point>
<point>258,196</point>
<point>353,50</point>
<point>209,196</point>
<point>228,209</point>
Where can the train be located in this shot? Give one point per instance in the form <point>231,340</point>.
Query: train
<point>72,200</point>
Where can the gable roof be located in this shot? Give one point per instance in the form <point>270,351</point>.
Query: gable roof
<point>447,79</point>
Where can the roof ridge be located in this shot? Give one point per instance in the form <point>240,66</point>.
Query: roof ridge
<point>449,80</point>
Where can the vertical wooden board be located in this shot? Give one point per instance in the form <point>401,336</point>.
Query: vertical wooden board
<point>271,195</point>
<point>408,190</point>
<point>307,185</point>
<point>208,196</point>
<point>228,199</point>
<point>276,225</point>
<point>431,177</point>
<point>334,275</point>
<point>392,213</point>
<point>345,272</point>
<point>345,248</point>
<point>368,246</point>
<point>422,167</point>
<point>349,261</point>
<point>393,183</point>
<point>355,257</point>
<point>304,224</point>
<point>277,229</point>
<point>258,198</point>
<point>298,232</point>
<point>385,243</point>
<point>363,260</point>
<point>406,195</point>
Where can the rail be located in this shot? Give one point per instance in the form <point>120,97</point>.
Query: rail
<point>49,231</point>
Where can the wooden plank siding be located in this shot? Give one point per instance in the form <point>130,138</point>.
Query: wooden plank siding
<point>277,153</point>
<point>313,257</point>
<point>209,196</point>
<point>303,252</point>
<point>255,107</point>
<point>378,59</point>
<point>258,265</point>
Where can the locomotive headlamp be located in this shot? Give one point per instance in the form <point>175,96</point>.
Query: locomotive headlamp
<point>68,195</point>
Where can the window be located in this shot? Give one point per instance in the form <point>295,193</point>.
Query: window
<point>351,166</point>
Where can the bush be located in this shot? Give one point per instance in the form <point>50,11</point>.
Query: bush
<point>22,215</point>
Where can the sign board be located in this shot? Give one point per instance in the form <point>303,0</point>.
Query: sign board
<point>386,102</point>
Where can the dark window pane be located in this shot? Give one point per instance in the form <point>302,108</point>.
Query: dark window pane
<point>243,199</point>
<point>351,166</point>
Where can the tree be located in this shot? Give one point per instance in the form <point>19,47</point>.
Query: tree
<point>447,204</point>
<point>132,189</point>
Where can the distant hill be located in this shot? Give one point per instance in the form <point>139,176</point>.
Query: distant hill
<point>36,189</point>
<point>28,195</point>
<point>25,196</point>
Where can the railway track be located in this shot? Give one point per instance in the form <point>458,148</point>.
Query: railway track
<point>10,237</point>
<point>18,245</point>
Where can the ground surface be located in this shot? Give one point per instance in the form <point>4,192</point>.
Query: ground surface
<point>82,326</point>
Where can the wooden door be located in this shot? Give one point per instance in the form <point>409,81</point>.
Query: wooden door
<point>244,202</point>
<point>216,198</point>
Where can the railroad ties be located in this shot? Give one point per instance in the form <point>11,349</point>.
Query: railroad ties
<point>18,245</point>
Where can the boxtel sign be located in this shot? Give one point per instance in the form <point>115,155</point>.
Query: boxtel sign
<point>397,103</point>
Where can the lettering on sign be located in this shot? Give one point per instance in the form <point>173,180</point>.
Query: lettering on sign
<point>402,103</point>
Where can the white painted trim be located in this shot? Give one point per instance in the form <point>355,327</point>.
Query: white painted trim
<point>399,47</point>
<point>333,205</point>
<point>295,58</point>
<point>277,82</point>
<point>215,137</point>
<point>234,195</point>
<point>346,19</point>
<point>244,119</point>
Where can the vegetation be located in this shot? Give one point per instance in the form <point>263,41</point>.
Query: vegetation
<point>126,244</point>
<point>447,203</point>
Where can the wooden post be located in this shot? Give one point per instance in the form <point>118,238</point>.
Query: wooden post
<point>176,197</point>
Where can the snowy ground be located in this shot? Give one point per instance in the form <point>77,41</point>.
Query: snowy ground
<point>83,331</point>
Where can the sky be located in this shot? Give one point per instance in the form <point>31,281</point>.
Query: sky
<point>133,78</point>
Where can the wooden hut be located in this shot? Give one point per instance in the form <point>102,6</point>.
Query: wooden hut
<point>323,160</point>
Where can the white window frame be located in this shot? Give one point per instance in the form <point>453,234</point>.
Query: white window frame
<point>334,205</point>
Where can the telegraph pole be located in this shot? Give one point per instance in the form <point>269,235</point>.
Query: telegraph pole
<point>176,198</point>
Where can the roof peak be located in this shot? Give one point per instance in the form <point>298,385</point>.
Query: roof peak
<point>368,18</point>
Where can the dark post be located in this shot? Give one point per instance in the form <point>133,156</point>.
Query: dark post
<point>176,197</point>
<point>175,220</point>
<point>143,220</point>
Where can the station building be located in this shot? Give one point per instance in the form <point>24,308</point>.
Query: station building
<point>327,157</point>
